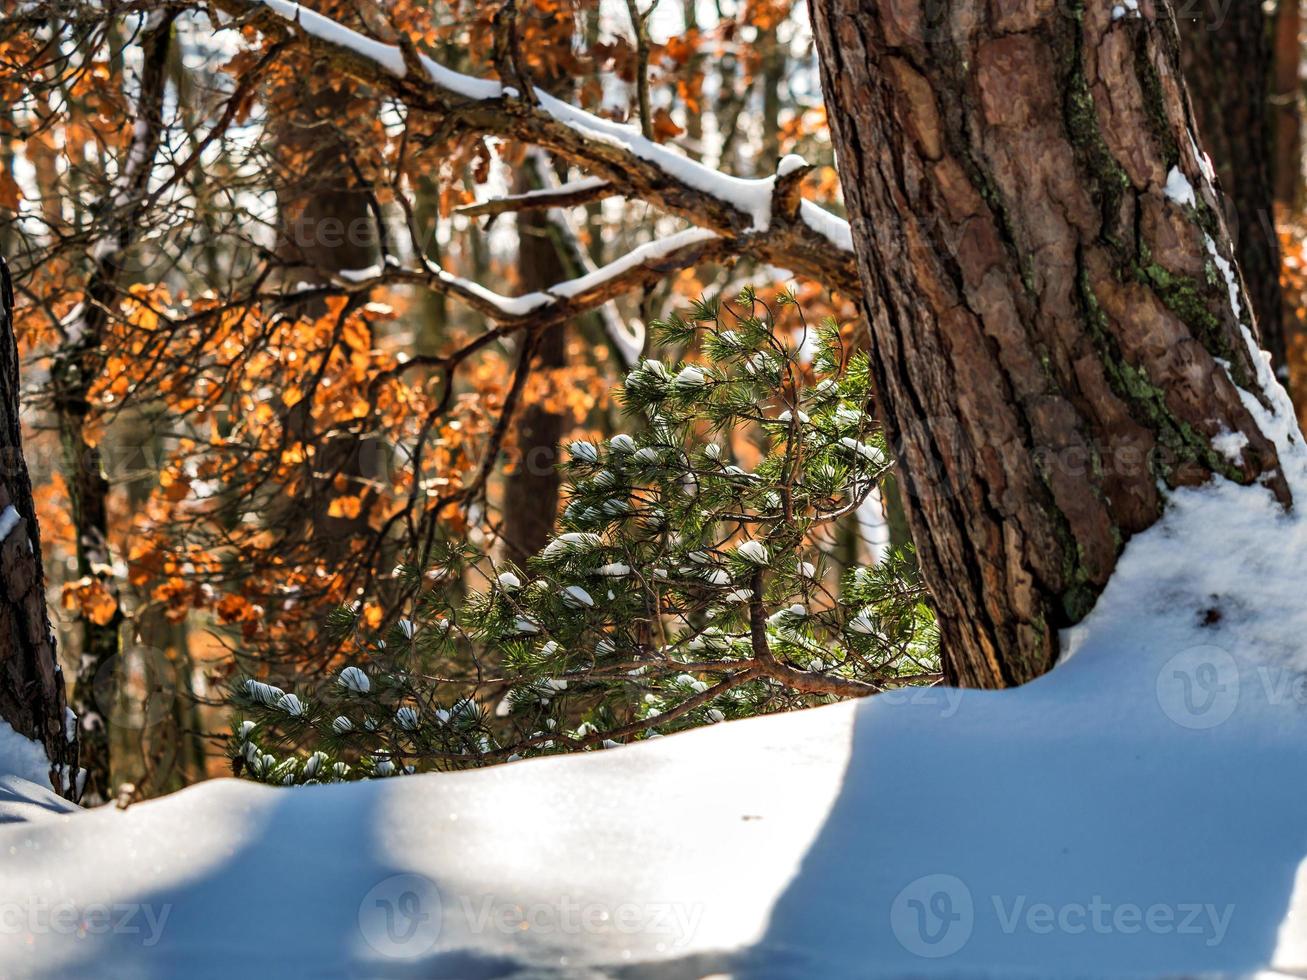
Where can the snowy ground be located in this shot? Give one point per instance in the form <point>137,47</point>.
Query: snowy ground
<point>22,757</point>
<point>1141,811</point>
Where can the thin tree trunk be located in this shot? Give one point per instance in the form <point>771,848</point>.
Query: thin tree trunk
<point>1058,332</point>
<point>1287,100</point>
<point>432,328</point>
<point>77,364</point>
<point>1226,55</point>
<point>31,681</point>
<point>166,752</point>
<point>692,79</point>
<point>88,492</point>
<point>775,60</point>
<point>327,227</point>
<point>531,489</point>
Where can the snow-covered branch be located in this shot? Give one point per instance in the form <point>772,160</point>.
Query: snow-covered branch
<point>763,218</point>
<point>647,264</point>
<point>628,341</point>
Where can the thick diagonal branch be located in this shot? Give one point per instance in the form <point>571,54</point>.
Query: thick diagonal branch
<point>808,241</point>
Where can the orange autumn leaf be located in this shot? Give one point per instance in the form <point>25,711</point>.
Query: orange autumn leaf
<point>89,597</point>
<point>100,607</point>
<point>175,486</point>
<point>233,608</point>
<point>348,507</point>
<point>10,195</point>
<point>664,126</point>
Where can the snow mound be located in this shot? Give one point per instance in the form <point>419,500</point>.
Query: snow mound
<point>1139,812</point>
<point>22,756</point>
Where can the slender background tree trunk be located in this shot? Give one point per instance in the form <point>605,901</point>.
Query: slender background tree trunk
<point>77,365</point>
<point>1286,98</point>
<point>531,488</point>
<point>1226,52</point>
<point>327,227</point>
<point>1051,297</point>
<point>31,682</point>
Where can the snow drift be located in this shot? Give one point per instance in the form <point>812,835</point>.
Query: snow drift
<point>1140,811</point>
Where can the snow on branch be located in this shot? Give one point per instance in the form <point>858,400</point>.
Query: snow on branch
<point>649,263</point>
<point>763,218</point>
<point>628,341</point>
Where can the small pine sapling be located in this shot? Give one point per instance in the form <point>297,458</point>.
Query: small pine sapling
<point>681,589</point>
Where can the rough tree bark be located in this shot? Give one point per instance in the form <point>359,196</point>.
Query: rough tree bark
<point>1226,53</point>
<point>1056,339</point>
<point>31,681</point>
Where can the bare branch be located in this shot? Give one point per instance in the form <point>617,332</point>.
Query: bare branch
<point>640,25</point>
<point>569,195</point>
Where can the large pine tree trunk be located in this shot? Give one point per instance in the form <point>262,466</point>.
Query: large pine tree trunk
<point>31,682</point>
<point>1226,53</point>
<point>1056,339</point>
